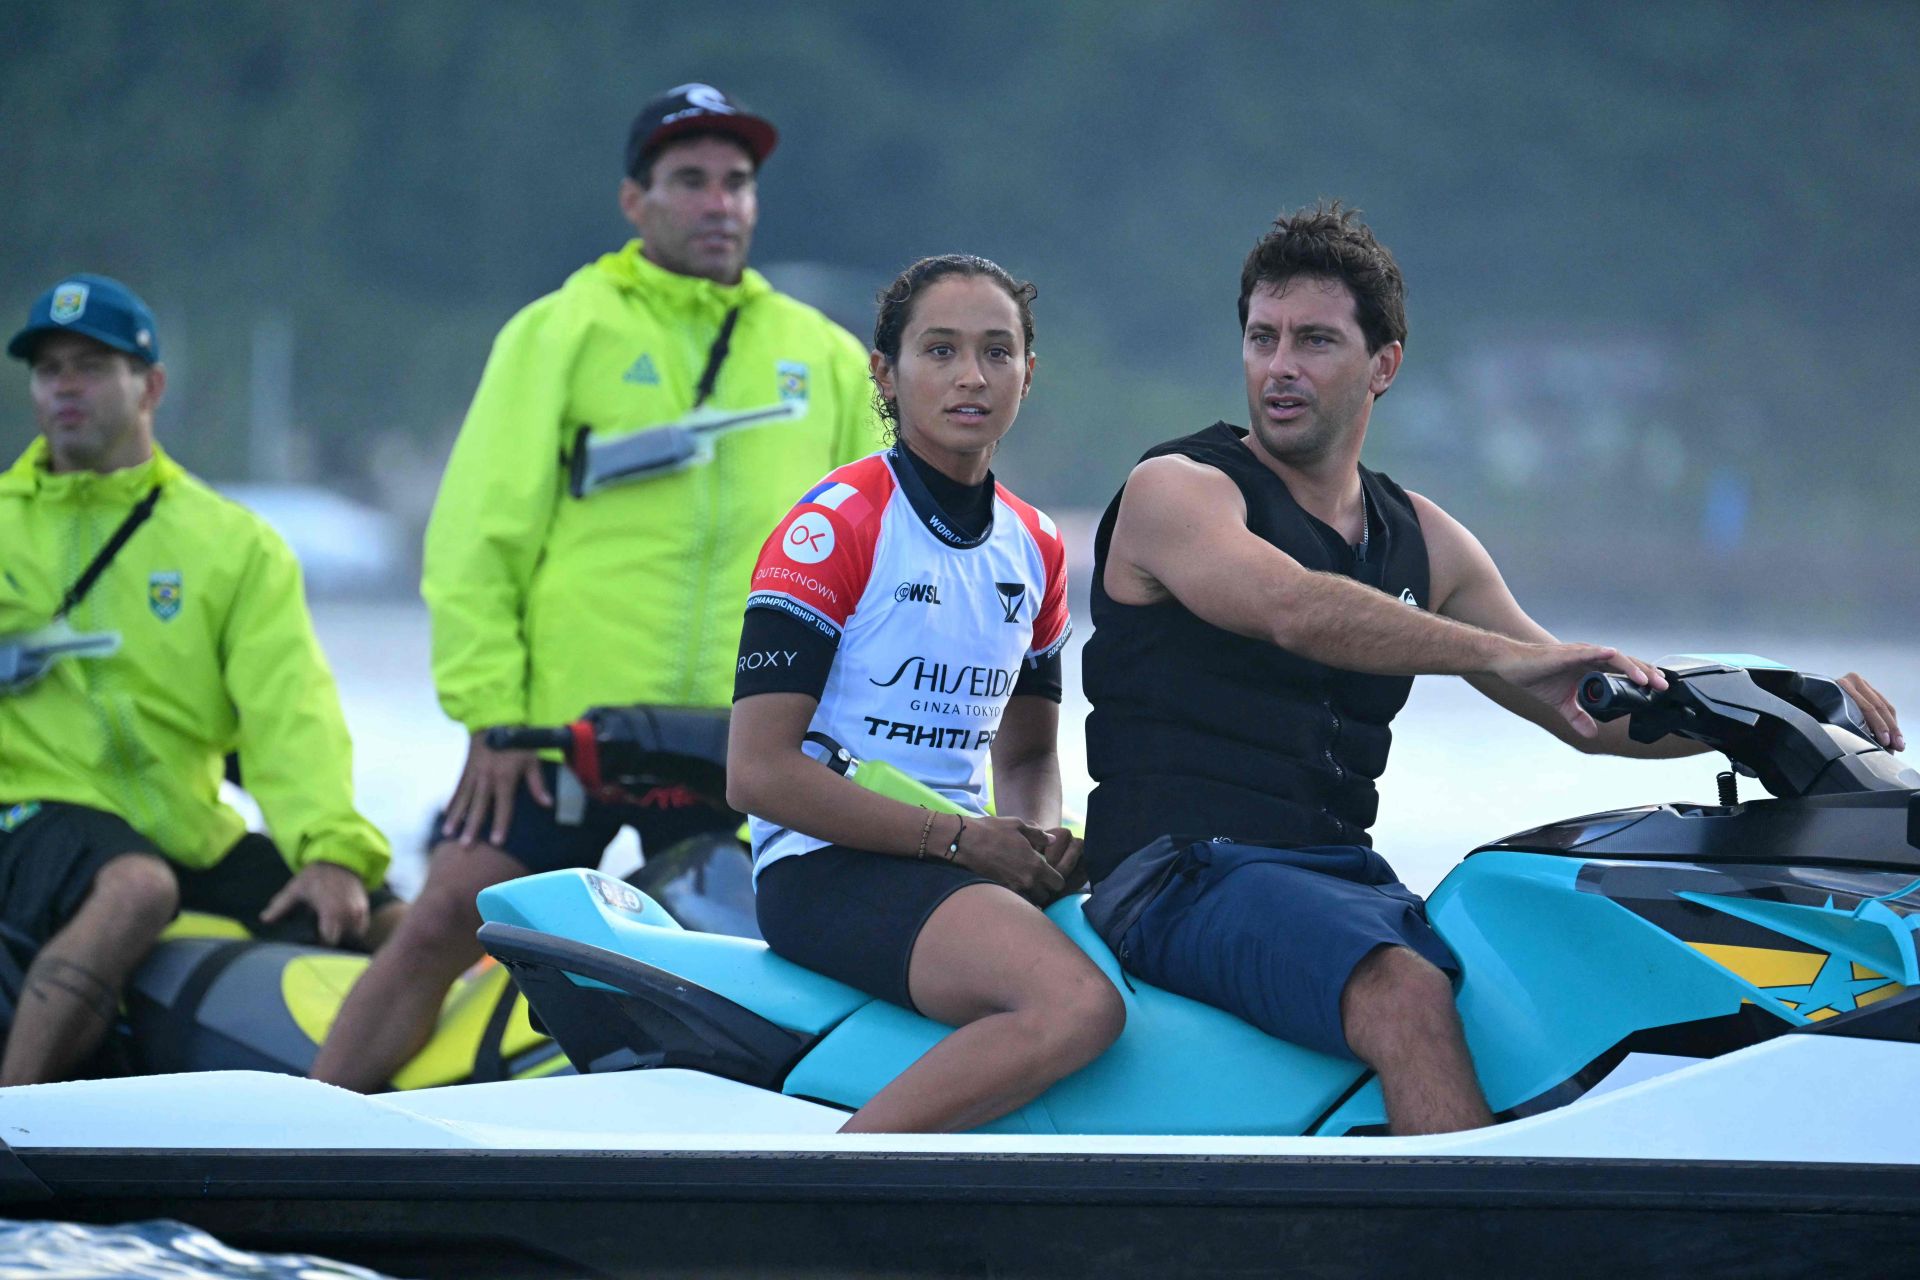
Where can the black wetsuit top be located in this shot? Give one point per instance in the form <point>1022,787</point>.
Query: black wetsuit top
<point>1197,732</point>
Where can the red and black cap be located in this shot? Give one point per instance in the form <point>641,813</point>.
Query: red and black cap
<point>696,108</point>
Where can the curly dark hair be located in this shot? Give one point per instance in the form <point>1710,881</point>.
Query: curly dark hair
<point>896,308</point>
<point>1329,242</point>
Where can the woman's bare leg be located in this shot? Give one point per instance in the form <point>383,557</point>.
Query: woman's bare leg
<point>1030,1006</point>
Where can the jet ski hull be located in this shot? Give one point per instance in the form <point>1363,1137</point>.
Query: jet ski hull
<point>665,1213</point>
<point>1792,1157</point>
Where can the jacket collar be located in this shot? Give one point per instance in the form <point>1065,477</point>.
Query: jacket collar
<point>630,269</point>
<point>30,477</point>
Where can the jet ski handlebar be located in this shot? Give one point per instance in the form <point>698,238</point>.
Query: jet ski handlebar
<point>522,738</point>
<point>1606,696</point>
<point>1799,733</point>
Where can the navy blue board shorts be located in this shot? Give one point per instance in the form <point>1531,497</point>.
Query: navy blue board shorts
<point>1269,935</point>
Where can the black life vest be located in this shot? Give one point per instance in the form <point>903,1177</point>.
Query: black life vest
<point>1196,732</point>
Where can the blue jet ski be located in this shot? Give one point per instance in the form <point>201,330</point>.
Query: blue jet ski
<point>1670,933</point>
<point>1699,1023</point>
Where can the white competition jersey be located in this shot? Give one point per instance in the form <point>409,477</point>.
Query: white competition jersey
<point>932,629</point>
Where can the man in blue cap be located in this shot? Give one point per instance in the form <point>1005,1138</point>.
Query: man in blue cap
<point>148,628</point>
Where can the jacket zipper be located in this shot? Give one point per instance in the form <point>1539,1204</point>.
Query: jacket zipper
<point>692,654</point>
<point>111,717</point>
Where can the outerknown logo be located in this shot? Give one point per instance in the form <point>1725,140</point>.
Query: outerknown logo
<point>805,581</point>
<point>809,539</point>
<point>1011,594</point>
<point>917,592</point>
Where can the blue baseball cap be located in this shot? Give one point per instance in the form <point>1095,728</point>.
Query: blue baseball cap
<point>97,307</point>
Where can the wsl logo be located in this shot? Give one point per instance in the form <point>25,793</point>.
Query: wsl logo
<point>917,593</point>
<point>1011,594</point>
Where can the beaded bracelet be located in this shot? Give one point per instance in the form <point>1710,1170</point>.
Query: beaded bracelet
<point>925,827</point>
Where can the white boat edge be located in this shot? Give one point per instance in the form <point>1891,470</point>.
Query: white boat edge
<point>1796,1098</point>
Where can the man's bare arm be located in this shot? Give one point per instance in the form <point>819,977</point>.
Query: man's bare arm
<point>1467,586</point>
<point>1474,592</point>
<point>1181,533</point>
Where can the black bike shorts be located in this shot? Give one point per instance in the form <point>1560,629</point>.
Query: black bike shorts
<point>854,915</point>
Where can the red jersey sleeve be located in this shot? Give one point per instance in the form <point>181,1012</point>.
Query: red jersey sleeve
<point>1052,625</point>
<point>816,563</point>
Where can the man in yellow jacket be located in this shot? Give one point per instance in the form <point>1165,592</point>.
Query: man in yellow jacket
<point>148,628</point>
<point>634,438</point>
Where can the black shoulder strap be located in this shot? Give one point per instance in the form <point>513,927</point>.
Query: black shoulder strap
<point>716,356</point>
<point>91,574</point>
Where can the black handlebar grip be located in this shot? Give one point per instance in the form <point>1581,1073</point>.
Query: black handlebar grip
<point>522,738</point>
<point>1606,696</point>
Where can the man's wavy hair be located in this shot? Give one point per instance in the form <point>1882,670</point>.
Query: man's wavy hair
<point>1329,242</point>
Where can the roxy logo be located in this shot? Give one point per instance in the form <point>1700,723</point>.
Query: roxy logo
<point>767,658</point>
<point>917,593</point>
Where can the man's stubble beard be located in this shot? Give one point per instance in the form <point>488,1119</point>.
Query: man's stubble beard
<point>1300,449</point>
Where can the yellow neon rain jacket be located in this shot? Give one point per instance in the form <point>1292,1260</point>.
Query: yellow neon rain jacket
<point>544,604</point>
<point>217,654</point>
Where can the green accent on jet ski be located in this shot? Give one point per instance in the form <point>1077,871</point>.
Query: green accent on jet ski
<point>314,986</point>
<point>196,924</point>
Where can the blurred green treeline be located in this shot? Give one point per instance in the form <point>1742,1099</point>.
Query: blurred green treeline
<point>1660,260</point>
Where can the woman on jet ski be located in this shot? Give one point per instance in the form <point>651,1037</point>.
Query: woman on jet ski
<point>912,610</point>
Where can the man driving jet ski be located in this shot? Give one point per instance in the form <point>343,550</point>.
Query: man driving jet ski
<point>1261,603</point>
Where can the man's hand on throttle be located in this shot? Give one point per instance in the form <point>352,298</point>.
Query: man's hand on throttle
<point>1552,673</point>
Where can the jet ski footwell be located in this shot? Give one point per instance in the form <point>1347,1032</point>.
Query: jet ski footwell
<point>1795,1157</point>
